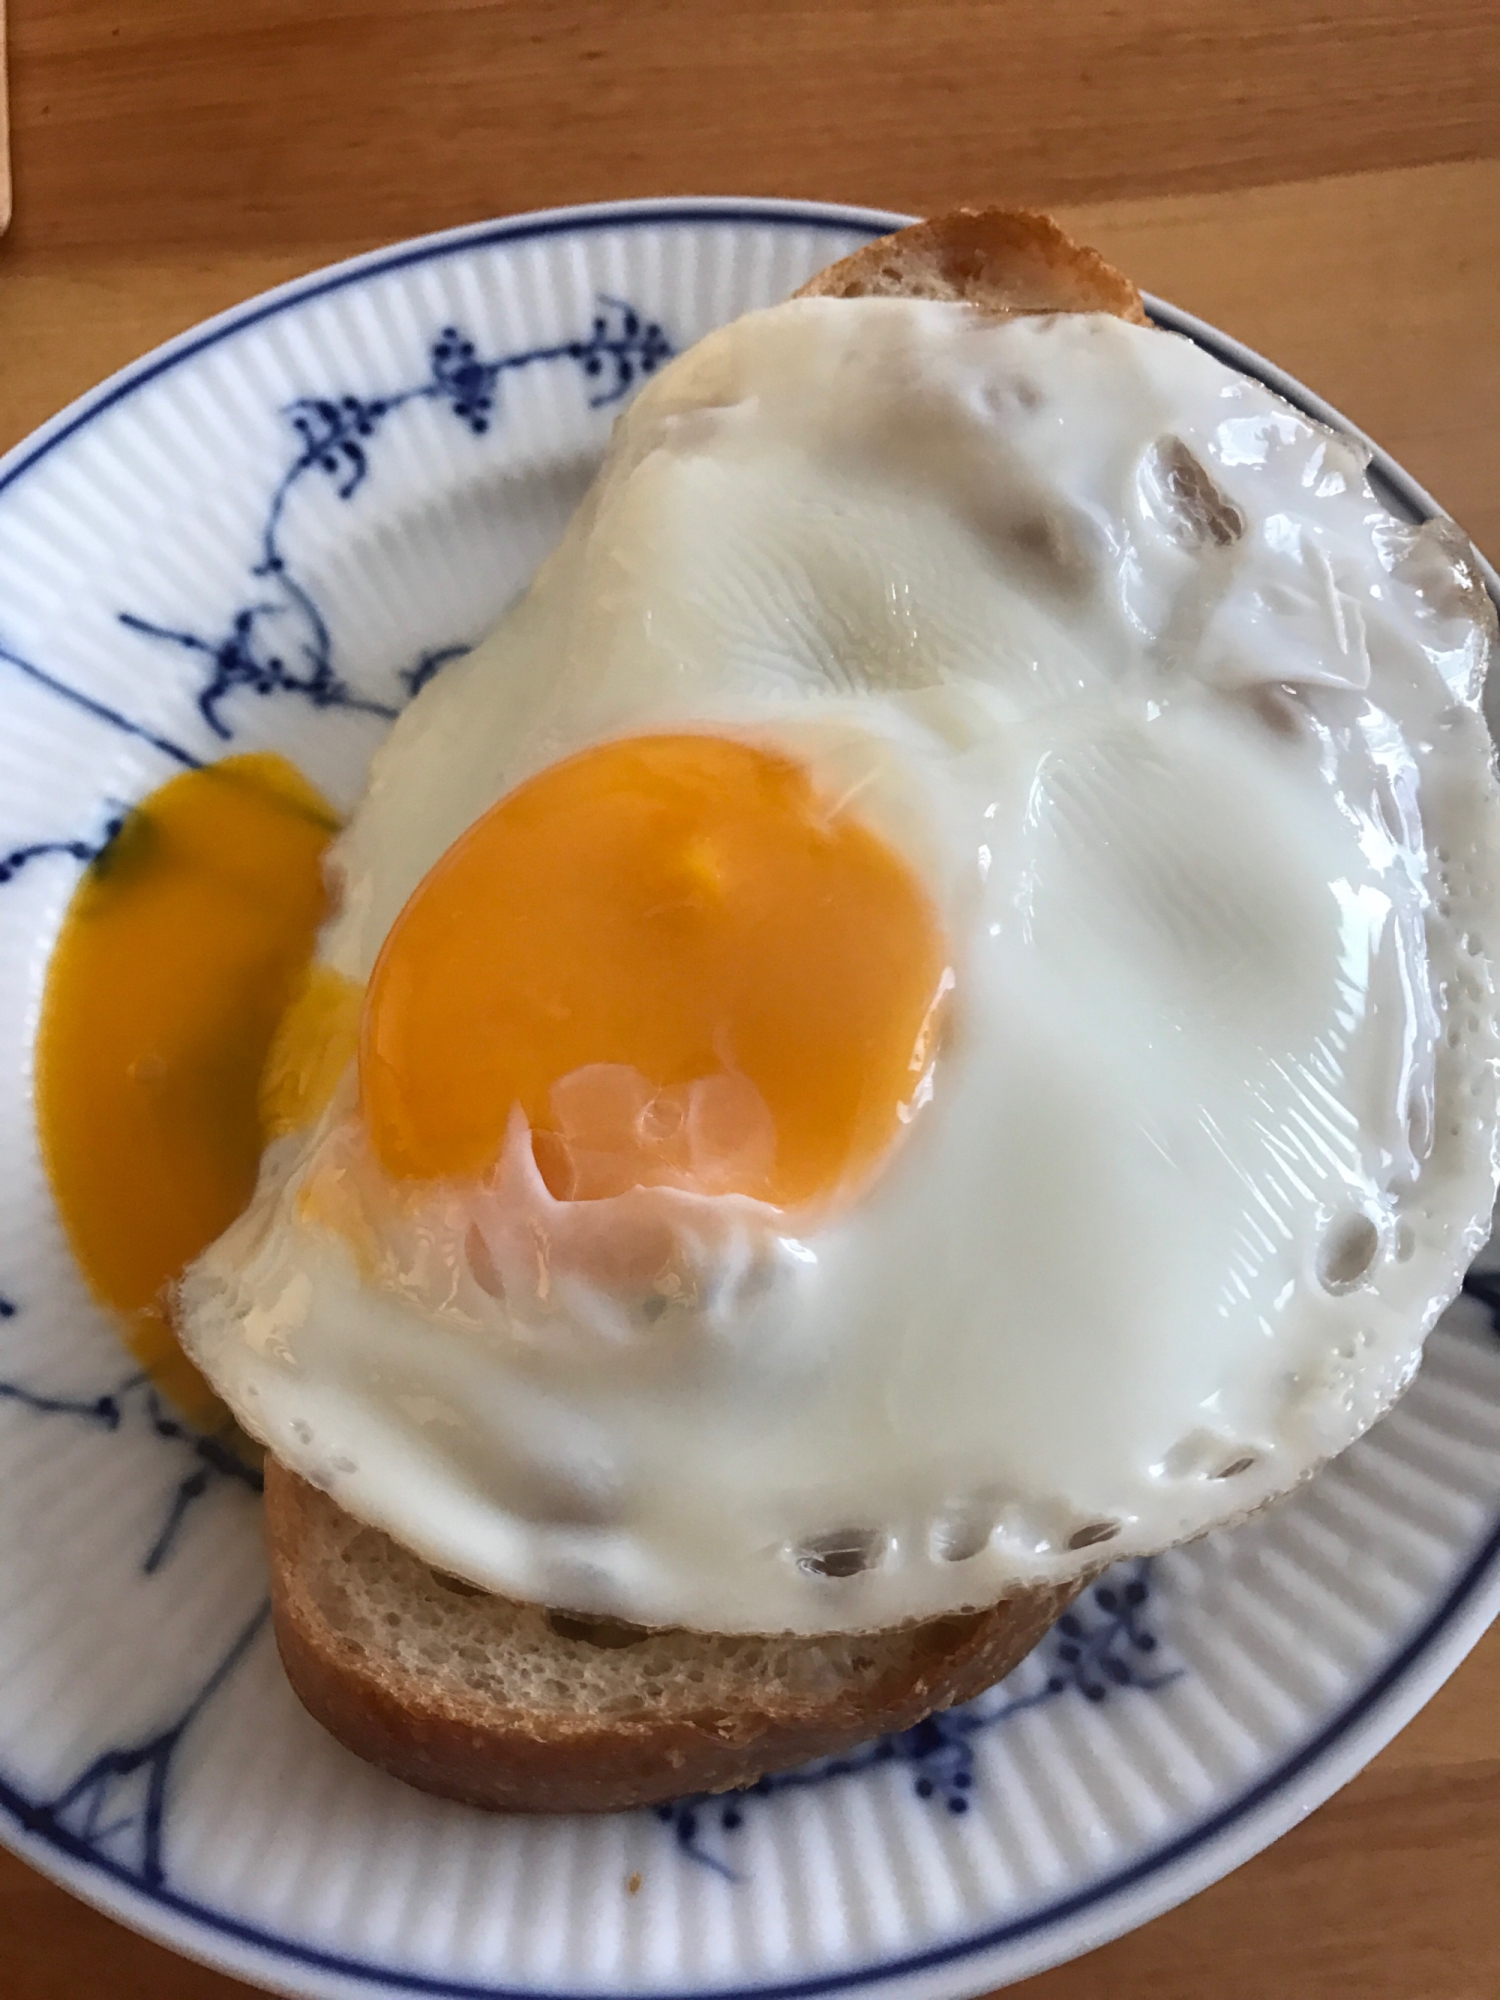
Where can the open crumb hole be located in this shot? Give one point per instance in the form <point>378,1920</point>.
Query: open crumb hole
<point>610,1634</point>
<point>456,1585</point>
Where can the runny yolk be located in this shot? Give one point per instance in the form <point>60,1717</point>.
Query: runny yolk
<point>660,928</point>
<point>177,956</point>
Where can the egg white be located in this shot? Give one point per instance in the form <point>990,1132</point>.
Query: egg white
<point>1181,729</point>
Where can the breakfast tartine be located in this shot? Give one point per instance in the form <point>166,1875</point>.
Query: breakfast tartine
<point>917,1020</point>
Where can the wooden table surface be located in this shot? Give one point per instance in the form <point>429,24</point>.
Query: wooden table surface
<point>1320,177</point>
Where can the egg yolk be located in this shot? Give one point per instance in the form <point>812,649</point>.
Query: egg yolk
<point>176,959</point>
<point>315,1041</point>
<point>658,930</point>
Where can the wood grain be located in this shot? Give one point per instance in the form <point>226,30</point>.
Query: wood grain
<point>1320,177</point>
<point>1373,288</point>
<point>4,131</point>
<point>178,122</point>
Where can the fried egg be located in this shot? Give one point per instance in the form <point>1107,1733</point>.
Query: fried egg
<point>919,1016</point>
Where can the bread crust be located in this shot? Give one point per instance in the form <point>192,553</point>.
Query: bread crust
<point>487,1752</point>
<point>1005,261</point>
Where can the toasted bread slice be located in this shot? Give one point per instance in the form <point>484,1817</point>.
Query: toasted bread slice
<point>510,1706</point>
<point>1006,261</point>
<point>516,1707</point>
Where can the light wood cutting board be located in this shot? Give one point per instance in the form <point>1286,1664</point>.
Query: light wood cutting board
<point>4,132</point>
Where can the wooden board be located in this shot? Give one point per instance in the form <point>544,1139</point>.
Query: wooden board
<point>4,132</point>
<point>1323,182</point>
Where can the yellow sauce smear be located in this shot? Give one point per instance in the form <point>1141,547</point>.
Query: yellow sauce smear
<point>178,955</point>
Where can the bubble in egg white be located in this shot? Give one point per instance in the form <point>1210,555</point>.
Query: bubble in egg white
<point>1348,1252</point>
<point>842,1552</point>
<point>961,1532</point>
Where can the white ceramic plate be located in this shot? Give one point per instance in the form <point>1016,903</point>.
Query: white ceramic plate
<point>265,535</point>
